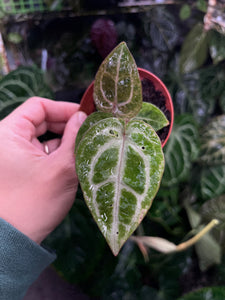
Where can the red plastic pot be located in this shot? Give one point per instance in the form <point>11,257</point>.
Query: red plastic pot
<point>88,106</point>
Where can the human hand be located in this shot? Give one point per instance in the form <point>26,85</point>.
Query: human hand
<point>37,188</point>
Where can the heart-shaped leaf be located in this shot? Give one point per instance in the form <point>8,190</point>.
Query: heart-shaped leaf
<point>152,115</point>
<point>117,87</point>
<point>119,166</point>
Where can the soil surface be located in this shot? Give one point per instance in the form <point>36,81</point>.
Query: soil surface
<point>150,94</point>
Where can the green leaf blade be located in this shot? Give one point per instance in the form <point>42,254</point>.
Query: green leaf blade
<point>120,175</point>
<point>89,122</point>
<point>153,116</point>
<point>117,87</point>
<point>194,50</point>
<point>181,149</point>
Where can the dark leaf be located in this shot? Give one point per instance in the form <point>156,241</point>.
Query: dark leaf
<point>162,28</point>
<point>194,50</point>
<point>181,150</point>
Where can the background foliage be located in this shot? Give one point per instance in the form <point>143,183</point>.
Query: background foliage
<point>176,43</point>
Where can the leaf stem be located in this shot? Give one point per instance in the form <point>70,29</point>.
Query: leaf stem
<point>198,236</point>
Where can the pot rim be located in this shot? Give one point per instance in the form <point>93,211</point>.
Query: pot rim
<point>87,98</point>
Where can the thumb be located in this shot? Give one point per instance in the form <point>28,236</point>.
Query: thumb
<point>71,130</point>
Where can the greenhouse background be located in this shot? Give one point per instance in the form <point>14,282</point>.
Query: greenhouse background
<point>53,48</point>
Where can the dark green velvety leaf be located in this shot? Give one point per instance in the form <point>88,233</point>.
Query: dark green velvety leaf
<point>117,87</point>
<point>152,115</point>
<point>198,92</point>
<point>208,293</point>
<point>217,47</point>
<point>89,122</point>
<point>162,28</point>
<point>194,50</point>
<point>181,150</point>
<point>120,167</point>
<point>24,82</point>
<point>212,150</point>
<point>212,181</point>
<point>18,86</point>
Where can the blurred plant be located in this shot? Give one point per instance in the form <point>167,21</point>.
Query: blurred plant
<point>184,44</point>
<point>19,85</point>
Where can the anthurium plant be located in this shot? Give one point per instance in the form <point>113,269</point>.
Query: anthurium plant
<point>119,158</point>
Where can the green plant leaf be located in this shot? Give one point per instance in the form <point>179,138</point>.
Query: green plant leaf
<point>89,122</point>
<point>212,181</point>
<point>8,106</point>
<point>24,82</point>
<point>194,50</point>
<point>185,12</point>
<point>212,150</point>
<point>217,47</point>
<point>152,115</point>
<point>208,293</point>
<point>202,5</point>
<point>117,87</point>
<point>19,85</point>
<point>120,167</point>
<point>181,150</point>
<point>207,248</point>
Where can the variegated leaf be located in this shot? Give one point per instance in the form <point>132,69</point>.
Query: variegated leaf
<point>117,87</point>
<point>89,122</point>
<point>19,85</point>
<point>24,82</point>
<point>152,115</point>
<point>119,166</point>
<point>213,142</point>
<point>181,149</point>
<point>212,181</point>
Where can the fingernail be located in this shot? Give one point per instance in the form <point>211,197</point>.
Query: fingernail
<point>81,116</point>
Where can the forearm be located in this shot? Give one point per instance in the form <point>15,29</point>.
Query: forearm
<point>21,262</point>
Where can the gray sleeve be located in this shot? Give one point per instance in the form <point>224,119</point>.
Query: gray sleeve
<point>21,262</point>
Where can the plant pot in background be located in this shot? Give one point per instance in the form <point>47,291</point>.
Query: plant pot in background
<point>153,90</point>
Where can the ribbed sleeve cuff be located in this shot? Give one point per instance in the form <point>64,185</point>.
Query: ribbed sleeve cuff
<point>21,262</point>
